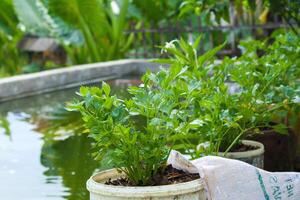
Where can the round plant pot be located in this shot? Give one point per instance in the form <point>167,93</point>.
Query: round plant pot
<point>252,157</point>
<point>193,190</point>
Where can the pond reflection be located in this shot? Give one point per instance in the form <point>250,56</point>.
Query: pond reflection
<point>48,155</point>
<point>4,125</point>
<point>71,160</point>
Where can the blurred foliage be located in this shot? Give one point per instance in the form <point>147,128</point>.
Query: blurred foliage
<point>93,31</point>
<point>35,19</point>
<point>289,10</point>
<point>244,10</point>
<point>102,28</point>
<point>220,9</point>
<point>11,60</point>
<point>8,18</point>
<point>150,11</point>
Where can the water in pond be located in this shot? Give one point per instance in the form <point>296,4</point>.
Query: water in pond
<point>39,161</point>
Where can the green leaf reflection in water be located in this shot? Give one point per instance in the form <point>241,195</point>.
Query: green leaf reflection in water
<point>4,124</point>
<point>71,159</point>
<point>67,149</point>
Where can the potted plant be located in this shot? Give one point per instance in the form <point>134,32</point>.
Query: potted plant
<point>273,67</point>
<point>213,119</point>
<point>217,116</point>
<point>132,134</point>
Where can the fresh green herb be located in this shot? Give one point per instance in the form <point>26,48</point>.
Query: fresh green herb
<point>133,132</point>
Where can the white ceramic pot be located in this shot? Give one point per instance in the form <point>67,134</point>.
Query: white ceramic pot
<point>253,157</point>
<point>193,190</point>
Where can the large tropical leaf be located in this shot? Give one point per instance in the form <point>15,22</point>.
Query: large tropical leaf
<point>102,28</point>
<point>87,16</point>
<point>117,38</point>
<point>34,16</point>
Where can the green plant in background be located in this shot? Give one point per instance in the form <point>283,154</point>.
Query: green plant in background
<point>20,17</point>
<point>289,10</point>
<point>35,19</point>
<point>8,18</point>
<point>150,11</point>
<point>223,12</point>
<point>239,13</point>
<point>101,25</point>
<point>11,60</point>
<point>273,69</point>
<point>132,132</point>
<point>220,9</point>
<point>245,10</point>
<point>91,31</point>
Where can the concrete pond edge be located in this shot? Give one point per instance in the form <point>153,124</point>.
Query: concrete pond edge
<point>57,79</point>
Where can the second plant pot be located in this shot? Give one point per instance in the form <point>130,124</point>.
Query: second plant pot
<point>193,190</point>
<point>253,157</point>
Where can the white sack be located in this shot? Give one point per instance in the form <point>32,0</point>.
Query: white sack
<point>228,179</point>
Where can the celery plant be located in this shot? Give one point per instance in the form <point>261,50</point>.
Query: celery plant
<point>136,147</point>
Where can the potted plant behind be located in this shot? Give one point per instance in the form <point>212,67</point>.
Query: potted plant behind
<point>133,135</point>
<point>214,119</point>
<point>220,119</point>
<point>275,72</point>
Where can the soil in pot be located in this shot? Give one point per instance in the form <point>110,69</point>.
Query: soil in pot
<point>242,148</point>
<point>167,176</point>
<point>250,151</point>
